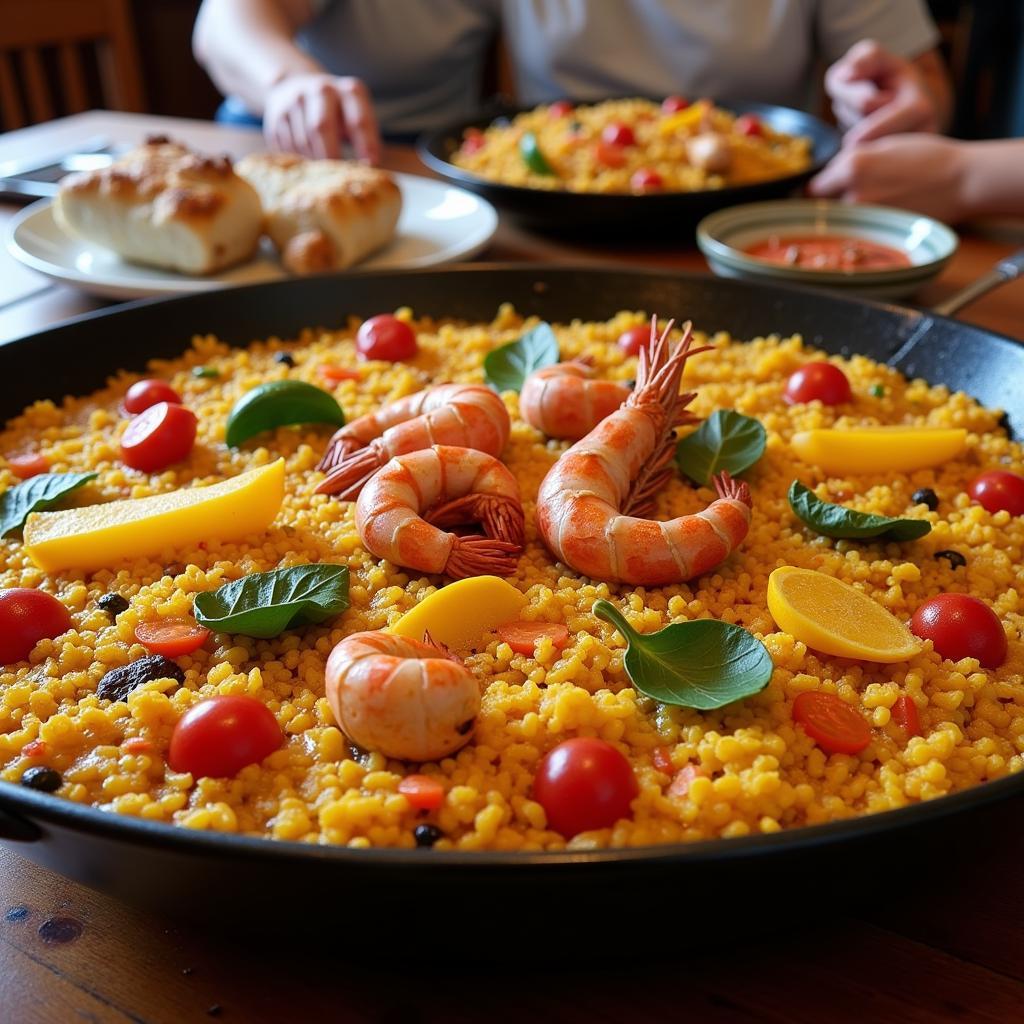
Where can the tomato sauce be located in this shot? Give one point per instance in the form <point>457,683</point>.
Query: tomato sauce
<point>828,252</point>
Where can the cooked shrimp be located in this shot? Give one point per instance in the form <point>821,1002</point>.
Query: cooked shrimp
<point>592,502</point>
<point>408,699</point>
<point>451,486</point>
<point>565,401</point>
<point>466,415</point>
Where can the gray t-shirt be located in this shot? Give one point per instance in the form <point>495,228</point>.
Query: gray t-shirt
<point>423,59</point>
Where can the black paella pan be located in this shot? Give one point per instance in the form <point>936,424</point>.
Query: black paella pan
<point>162,867</point>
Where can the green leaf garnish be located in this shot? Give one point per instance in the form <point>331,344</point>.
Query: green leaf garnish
<point>280,403</point>
<point>38,494</point>
<point>703,664</point>
<point>725,440</point>
<point>836,521</point>
<point>210,372</point>
<point>533,157</point>
<point>507,368</point>
<point>265,604</point>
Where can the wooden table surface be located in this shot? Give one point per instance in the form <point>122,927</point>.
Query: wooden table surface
<point>949,949</point>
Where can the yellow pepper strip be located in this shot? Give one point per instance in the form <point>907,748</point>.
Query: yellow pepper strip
<point>688,118</point>
<point>878,449</point>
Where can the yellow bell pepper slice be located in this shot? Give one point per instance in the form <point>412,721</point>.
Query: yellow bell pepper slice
<point>460,614</point>
<point>878,449</point>
<point>687,118</point>
<point>98,536</point>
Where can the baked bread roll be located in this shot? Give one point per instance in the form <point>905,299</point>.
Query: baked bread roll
<point>323,214</point>
<point>163,205</point>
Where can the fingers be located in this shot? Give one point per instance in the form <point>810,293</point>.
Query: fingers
<point>359,119</point>
<point>835,179</point>
<point>866,60</point>
<point>909,110</point>
<point>323,119</point>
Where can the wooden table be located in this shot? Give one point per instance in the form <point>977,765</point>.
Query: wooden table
<point>948,949</point>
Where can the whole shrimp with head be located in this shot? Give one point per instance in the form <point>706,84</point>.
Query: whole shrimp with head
<point>593,502</point>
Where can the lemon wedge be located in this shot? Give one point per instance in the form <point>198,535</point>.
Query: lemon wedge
<point>878,449</point>
<point>835,618</point>
<point>98,536</point>
<point>460,614</point>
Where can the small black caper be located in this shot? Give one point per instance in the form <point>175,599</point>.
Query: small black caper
<point>113,604</point>
<point>40,777</point>
<point>285,358</point>
<point>956,560</point>
<point>925,496</point>
<point>427,835</point>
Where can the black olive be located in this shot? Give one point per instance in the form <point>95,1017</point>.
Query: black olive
<point>427,835</point>
<point>44,779</point>
<point>120,681</point>
<point>956,560</point>
<point>114,604</point>
<point>284,358</point>
<point>925,496</point>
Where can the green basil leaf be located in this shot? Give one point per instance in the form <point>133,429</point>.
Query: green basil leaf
<point>533,157</point>
<point>725,440</point>
<point>703,664</point>
<point>36,494</point>
<point>265,604</point>
<point>210,372</point>
<point>506,368</point>
<point>836,521</point>
<point>279,403</point>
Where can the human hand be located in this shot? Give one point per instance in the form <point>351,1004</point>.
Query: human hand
<point>876,93</point>
<point>314,114</point>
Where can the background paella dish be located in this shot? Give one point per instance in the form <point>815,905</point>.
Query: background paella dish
<point>609,583</point>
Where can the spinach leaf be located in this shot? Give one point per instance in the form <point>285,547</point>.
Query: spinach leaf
<point>37,494</point>
<point>267,603</point>
<point>703,664</point>
<point>507,368</point>
<point>725,440</point>
<point>279,403</point>
<point>836,521</point>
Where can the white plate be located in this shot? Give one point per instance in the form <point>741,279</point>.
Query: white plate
<point>439,224</point>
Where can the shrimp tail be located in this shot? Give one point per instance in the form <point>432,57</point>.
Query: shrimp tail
<point>738,490</point>
<point>502,518</point>
<point>481,556</point>
<point>339,448</point>
<point>351,473</point>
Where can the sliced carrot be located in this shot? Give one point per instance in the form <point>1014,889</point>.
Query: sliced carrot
<point>28,465</point>
<point>906,716</point>
<point>137,745</point>
<point>522,637</point>
<point>662,758</point>
<point>34,748</point>
<point>835,726</point>
<point>422,791</point>
<point>336,374</point>
<point>680,785</point>
<point>172,637</point>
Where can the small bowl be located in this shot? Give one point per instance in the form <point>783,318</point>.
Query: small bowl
<point>723,237</point>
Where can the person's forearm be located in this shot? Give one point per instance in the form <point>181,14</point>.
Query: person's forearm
<point>992,181</point>
<point>936,79</point>
<point>246,45</point>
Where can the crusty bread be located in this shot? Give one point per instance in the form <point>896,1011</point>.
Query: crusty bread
<point>323,214</point>
<point>163,205</point>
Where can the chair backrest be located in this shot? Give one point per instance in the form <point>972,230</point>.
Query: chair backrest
<point>63,56</point>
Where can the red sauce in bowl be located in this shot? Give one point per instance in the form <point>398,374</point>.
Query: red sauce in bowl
<point>828,252</point>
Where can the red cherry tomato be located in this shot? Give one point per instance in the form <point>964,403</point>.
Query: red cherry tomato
<point>584,784</point>
<point>172,637</point>
<point>26,617</point>
<point>423,792</point>
<point>608,155</point>
<point>831,723</point>
<point>618,134</point>
<point>473,140</point>
<point>144,393</point>
<point>999,491</point>
<point>747,124</point>
<point>162,435</point>
<point>673,104</point>
<point>819,380</point>
<point>560,108</point>
<point>906,715</point>
<point>645,180</point>
<point>385,337</point>
<point>633,339</point>
<point>220,736</point>
<point>960,626</point>
<point>28,465</point>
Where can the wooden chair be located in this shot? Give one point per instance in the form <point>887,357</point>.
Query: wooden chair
<point>63,56</point>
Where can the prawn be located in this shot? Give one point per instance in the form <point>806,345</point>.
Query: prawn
<point>465,415</point>
<point>408,699</point>
<point>564,400</point>
<point>451,486</point>
<point>593,502</point>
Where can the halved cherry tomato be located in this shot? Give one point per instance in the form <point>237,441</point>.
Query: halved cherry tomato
<point>145,393</point>
<point>906,716</point>
<point>960,626</point>
<point>157,438</point>
<point>618,134</point>
<point>473,140</point>
<point>137,745</point>
<point>336,374</point>
<point>172,637</point>
<point>831,723</point>
<point>422,791</point>
<point>584,784</point>
<point>818,380</point>
<point>747,124</point>
<point>34,748</point>
<point>560,108</point>
<point>680,785</point>
<point>662,760</point>
<point>999,491</point>
<point>645,180</point>
<point>28,465</point>
<point>385,337</point>
<point>26,617</point>
<point>221,735</point>
<point>633,339</point>
<point>522,637</point>
<point>609,155</point>
<point>673,104</point>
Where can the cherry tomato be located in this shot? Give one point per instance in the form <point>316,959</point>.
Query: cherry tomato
<point>162,435</point>
<point>28,465</point>
<point>385,337</point>
<point>423,792</point>
<point>906,716</point>
<point>172,637</point>
<point>680,784</point>
<point>523,636</point>
<point>144,393</point>
<point>560,108</point>
<point>645,180</point>
<point>999,491</point>
<point>634,338</point>
<point>618,134</point>
<point>662,759</point>
<point>819,380</point>
<point>473,140</point>
<point>609,155</point>
<point>960,626</point>
<point>673,104</point>
<point>747,124</point>
<point>26,617</point>
<point>584,784</point>
<point>221,735</point>
<point>831,723</point>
